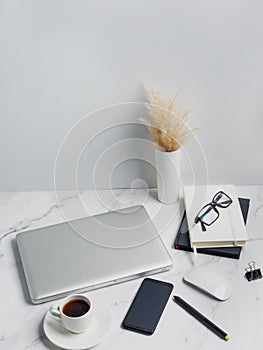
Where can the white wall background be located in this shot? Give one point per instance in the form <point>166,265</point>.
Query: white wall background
<point>60,60</point>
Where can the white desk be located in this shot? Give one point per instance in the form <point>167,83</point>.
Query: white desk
<point>241,316</point>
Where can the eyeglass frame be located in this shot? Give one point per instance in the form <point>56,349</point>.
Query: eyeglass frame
<point>212,206</point>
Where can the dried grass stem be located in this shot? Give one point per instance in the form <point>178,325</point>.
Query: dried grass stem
<point>167,123</point>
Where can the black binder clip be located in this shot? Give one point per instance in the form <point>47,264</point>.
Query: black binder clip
<point>251,272</point>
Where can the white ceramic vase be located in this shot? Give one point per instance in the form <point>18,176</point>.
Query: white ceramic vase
<point>168,176</point>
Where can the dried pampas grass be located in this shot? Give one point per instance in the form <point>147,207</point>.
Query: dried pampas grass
<point>168,124</point>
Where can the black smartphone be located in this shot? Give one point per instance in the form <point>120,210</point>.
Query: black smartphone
<point>147,306</point>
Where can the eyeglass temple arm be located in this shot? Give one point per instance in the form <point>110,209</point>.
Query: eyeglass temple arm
<point>227,201</point>
<point>197,219</point>
<point>203,226</point>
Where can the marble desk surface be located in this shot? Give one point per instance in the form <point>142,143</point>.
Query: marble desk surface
<point>241,316</point>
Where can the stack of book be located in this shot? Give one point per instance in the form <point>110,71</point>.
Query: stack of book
<point>225,234</point>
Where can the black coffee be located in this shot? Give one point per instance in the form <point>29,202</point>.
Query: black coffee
<point>75,308</point>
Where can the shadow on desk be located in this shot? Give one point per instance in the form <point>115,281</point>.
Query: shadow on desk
<point>44,339</point>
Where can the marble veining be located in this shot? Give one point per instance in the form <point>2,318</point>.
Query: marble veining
<point>25,224</point>
<point>241,316</point>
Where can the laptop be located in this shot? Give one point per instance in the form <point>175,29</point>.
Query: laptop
<point>90,253</point>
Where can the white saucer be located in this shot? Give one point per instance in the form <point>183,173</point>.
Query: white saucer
<point>64,339</point>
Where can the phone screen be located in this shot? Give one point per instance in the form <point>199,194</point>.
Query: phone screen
<point>147,306</point>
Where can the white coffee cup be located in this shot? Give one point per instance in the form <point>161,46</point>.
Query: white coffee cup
<point>64,311</point>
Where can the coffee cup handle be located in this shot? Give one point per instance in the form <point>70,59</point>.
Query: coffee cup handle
<point>54,310</point>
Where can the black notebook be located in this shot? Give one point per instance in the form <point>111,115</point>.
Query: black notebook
<point>182,240</point>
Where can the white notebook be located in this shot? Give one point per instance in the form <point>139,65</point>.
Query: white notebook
<point>227,231</point>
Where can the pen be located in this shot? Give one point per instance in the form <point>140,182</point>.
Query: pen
<point>197,315</point>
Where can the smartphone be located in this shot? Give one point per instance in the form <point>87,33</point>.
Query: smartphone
<point>147,306</point>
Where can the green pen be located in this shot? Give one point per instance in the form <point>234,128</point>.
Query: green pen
<point>197,315</point>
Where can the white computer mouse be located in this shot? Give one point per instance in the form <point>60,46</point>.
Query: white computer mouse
<point>210,282</point>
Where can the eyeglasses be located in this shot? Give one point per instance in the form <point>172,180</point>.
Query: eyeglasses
<point>209,213</point>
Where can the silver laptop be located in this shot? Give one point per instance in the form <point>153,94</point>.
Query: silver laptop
<point>90,253</point>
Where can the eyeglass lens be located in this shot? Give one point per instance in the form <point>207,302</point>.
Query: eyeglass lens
<point>208,214</point>
<point>222,200</point>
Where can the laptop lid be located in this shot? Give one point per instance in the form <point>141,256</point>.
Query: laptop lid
<point>90,253</point>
